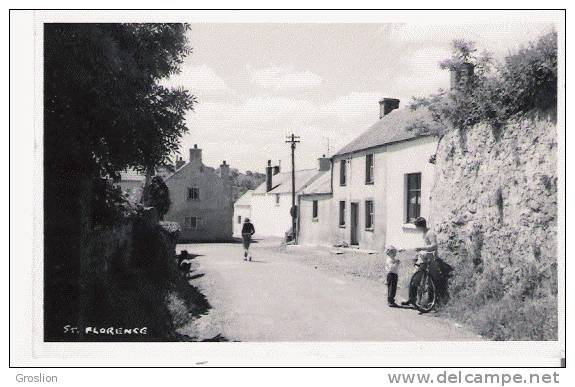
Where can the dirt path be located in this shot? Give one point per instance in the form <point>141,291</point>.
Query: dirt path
<point>274,298</point>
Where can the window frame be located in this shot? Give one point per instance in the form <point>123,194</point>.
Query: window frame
<point>343,172</point>
<point>342,213</point>
<point>189,226</point>
<point>369,214</point>
<point>409,217</point>
<point>314,210</point>
<point>191,191</point>
<point>369,168</point>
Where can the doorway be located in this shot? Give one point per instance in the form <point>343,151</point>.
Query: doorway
<point>353,223</point>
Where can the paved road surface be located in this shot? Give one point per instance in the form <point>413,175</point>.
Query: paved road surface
<point>276,299</point>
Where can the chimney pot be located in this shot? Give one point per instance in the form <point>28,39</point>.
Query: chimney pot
<point>179,162</point>
<point>461,77</point>
<point>324,163</point>
<point>269,176</point>
<point>195,154</point>
<point>386,105</point>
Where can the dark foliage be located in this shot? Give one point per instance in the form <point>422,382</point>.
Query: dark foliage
<point>159,196</point>
<point>494,92</point>
<point>104,111</point>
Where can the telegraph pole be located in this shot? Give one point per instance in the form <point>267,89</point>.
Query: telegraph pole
<point>293,139</point>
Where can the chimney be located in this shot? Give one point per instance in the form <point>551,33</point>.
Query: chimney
<point>195,154</point>
<point>386,105</point>
<point>460,78</point>
<point>324,163</point>
<point>179,162</point>
<point>224,170</point>
<point>269,174</point>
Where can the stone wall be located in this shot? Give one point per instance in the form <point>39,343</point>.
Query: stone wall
<point>494,208</point>
<point>129,270</point>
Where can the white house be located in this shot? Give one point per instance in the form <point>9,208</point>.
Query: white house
<point>380,182</point>
<point>271,202</point>
<point>315,221</point>
<point>242,210</point>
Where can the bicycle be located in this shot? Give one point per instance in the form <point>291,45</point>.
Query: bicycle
<point>425,288</point>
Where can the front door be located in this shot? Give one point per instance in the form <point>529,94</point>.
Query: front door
<point>354,220</point>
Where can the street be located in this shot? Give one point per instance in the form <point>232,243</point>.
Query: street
<point>276,298</point>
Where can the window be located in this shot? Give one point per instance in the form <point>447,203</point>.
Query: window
<point>369,214</point>
<point>193,193</point>
<point>413,190</point>
<point>277,199</point>
<point>192,223</point>
<point>314,209</point>
<point>342,172</point>
<point>239,219</point>
<point>369,169</point>
<point>342,213</point>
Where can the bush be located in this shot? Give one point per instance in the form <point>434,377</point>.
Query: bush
<point>511,304</point>
<point>159,196</point>
<point>493,92</point>
<point>109,204</point>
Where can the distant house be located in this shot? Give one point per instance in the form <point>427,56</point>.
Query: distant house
<point>242,210</point>
<point>271,201</point>
<point>315,221</point>
<point>201,200</point>
<point>380,182</point>
<point>132,184</point>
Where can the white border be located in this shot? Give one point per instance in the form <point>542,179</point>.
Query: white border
<point>454,354</point>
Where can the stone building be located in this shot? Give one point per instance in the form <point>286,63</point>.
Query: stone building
<point>380,182</point>
<point>201,200</point>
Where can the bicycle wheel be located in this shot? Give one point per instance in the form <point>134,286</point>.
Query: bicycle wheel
<point>426,294</point>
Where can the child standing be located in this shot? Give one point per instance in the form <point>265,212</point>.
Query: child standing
<point>392,264</point>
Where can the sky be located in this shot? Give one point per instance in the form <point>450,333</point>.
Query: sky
<point>258,83</point>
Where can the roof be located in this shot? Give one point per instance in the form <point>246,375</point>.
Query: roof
<point>245,199</point>
<point>393,127</point>
<point>282,181</point>
<point>185,166</point>
<point>321,185</point>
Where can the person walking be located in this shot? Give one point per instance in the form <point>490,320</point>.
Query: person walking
<point>248,230</point>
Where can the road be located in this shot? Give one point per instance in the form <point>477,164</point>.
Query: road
<point>274,298</point>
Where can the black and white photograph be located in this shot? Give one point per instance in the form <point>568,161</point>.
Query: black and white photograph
<point>395,181</point>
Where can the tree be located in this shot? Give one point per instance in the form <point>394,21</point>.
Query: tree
<point>493,92</point>
<point>104,111</point>
<point>103,103</point>
<point>159,196</point>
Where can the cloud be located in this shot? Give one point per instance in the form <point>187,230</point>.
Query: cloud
<point>199,79</point>
<point>276,77</point>
<point>352,106</point>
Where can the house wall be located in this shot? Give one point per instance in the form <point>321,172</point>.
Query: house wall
<point>243,212</point>
<point>403,158</point>
<point>316,231</point>
<point>388,192</point>
<point>215,206</point>
<point>357,191</point>
<point>269,218</point>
